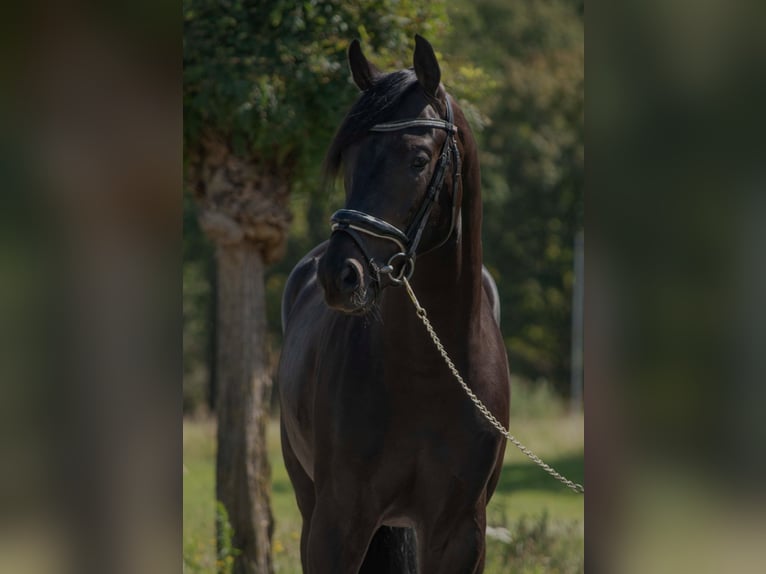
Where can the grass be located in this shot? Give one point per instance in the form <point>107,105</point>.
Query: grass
<point>536,524</point>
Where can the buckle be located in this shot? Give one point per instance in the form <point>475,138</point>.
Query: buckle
<point>405,271</point>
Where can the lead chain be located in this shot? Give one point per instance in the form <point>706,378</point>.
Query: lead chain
<point>421,312</point>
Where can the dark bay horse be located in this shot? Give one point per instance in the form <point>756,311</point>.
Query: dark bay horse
<point>392,464</point>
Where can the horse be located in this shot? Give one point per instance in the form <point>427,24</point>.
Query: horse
<point>391,463</point>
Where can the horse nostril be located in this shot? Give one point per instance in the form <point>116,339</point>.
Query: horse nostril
<point>350,276</point>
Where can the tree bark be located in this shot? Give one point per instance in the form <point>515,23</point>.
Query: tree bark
<point>243,208</point>
<point>242,467</point>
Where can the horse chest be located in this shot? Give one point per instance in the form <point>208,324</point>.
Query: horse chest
<point>407,426</point>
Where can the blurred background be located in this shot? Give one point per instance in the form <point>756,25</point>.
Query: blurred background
<point>107,365</point>
<point>264,91</point>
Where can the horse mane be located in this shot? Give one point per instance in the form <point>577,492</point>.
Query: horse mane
<point>375,105</point>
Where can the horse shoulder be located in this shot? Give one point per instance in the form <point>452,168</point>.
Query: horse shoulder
<point>299,278</point>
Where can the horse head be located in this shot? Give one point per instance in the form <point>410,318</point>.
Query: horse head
<point>399,155</point>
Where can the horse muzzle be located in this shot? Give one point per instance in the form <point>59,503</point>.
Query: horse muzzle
<point>345,279</point>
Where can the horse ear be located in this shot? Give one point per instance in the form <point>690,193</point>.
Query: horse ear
<point>363,72</point>
<point>426,67</point>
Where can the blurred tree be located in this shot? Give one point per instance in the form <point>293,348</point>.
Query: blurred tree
<point>532,167</point>
<point>198,272</point>
<point>265,84</point>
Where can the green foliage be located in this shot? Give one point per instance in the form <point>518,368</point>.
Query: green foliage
<point>532,545</point>
<point>271,75</point>
<point>534,400</point>
<point>226,551</point>
<point>533,168</point>
<point>195,556</point>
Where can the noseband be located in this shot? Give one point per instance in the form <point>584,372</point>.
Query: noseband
<point>355,223</point>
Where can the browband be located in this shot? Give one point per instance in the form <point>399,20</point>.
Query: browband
<point>404,124</point>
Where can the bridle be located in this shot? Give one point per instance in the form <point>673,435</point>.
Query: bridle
<point>354,223</point>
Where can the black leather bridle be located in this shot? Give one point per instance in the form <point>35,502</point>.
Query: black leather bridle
<point>355,223</point>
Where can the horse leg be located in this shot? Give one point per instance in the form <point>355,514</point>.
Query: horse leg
<point>339,536</point>
<point>391,551</point>
<point>454,548</point>
<point>494,478</point>
<point>304,493</point>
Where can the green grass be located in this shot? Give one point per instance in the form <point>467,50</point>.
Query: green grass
<point>543,519</point>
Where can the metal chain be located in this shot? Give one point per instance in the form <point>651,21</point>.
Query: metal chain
<point>421,312</point>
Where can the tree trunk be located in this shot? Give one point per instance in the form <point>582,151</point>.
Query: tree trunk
<point>243,208</point>
<point>243,380</point>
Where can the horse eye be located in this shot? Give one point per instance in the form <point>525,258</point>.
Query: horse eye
<point>420,162</point>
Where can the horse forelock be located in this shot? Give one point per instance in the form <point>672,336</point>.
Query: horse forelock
<point>375,105</point>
